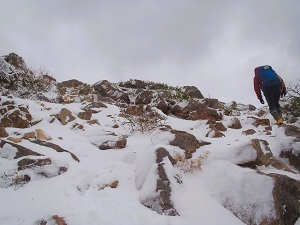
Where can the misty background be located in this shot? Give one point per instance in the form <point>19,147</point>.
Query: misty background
<point>214,45</point>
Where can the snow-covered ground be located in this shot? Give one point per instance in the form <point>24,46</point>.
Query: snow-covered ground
<point>80,197</point>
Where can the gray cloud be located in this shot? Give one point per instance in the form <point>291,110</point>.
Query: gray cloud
<point>213,45</point>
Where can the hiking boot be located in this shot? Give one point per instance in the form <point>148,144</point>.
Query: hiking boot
<point>279,121</point>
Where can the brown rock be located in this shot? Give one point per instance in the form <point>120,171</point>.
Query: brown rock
<point>265,156</point>
<point>15,140</point>
<point>136,84</point>
<point>193,91</point>
<point>41,135</point>
<point>286,193</point>
<point>65,116</point>
<point>3,132</point>
<point>95,121</point>
<point>121,143</point>
<point>78,126</point>
<point>112,185</point>
<point>21,151</point>
<point>144,98</point>
<point>249,132</point>
<point>184,112</point>
<point>215,133</point>
<point>106,89</point>
<point>161,153</point>
<point>94,105</point>
<point>163,106</point>
<point>293,131</point>
<point>185,141</point>
<point>261,122</point>
<point>213,103</point>
<point>205,114</point>
<point>54,147</point>
<point>19,118</point>
<point>292,151</point>
<point>236,124</point>
<point>161,202</point>
<point>87,115</point>
<point>261,113</point>
<point>28,135</point>
<point>220,126</point>
<point>59,220</point>
<point>29,163</point>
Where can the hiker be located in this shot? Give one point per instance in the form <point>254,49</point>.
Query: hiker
<point>272,85</point>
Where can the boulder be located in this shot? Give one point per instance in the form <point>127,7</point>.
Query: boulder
<point>65,116</point>
<point>3,132</point>
<point>264,157</point>
<point>185,141</point>
<point>220,126</point>
<point>163,106</point>
<point>261,122</point>
<point>135,84</point>
<point>249,132</point>
<point>192,91</point>
<point>184,109</point>
<point>235,124</point>
<point>214,133</point>
<point>87,115</point>
<point>293,131</point>
<point>213,103</point>
<point>291,151</point>
<point>286,193</point>
<point>145,97</point>
<point>205,114</point>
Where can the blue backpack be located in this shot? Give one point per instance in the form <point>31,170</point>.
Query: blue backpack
<point>268,76</point>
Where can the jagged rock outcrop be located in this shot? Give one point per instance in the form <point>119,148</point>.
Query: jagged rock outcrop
<point>107,89</point>
<point>16,61</point>
<point>17,80</point>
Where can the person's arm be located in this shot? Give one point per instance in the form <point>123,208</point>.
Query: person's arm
<point>257,87</point>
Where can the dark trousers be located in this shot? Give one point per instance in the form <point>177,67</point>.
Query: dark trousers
<point>272,95</point>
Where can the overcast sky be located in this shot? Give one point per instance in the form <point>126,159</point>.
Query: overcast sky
<point>211,44</point>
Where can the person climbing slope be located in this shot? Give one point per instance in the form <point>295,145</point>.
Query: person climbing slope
<point>272,86</point>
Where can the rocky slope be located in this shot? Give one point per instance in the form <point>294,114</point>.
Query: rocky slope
<point>183,132</point>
